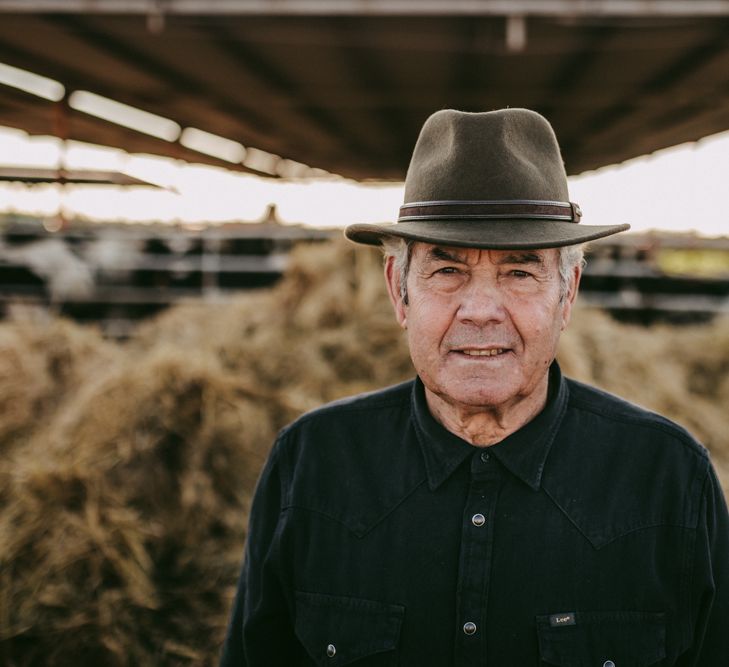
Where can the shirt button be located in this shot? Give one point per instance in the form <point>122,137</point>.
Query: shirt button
<point>469,628</point>
<point>608,663</point>
<point>485,457</point>
<point>478,520</point>
<point>331,651</point>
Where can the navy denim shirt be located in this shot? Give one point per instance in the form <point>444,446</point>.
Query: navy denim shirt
<point>596,535</point>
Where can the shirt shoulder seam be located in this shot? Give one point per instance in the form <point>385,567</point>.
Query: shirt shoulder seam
<point>650,421</point>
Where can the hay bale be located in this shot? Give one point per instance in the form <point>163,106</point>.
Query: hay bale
<point>128,469</point>
<point>325,331</point>
<point>127,512</point>
<point>41,363</point>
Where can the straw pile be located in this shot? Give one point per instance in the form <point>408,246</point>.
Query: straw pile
<point>127,469</point>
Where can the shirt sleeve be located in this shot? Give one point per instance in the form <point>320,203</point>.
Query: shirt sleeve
<point>260,632</point>
<point>711,638</point>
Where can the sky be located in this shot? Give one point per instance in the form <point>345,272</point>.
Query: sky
<point>680,189</point>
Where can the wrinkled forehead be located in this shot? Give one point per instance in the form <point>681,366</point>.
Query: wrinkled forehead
<point>428,252</point>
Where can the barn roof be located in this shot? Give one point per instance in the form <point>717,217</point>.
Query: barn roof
<point>344,85</point>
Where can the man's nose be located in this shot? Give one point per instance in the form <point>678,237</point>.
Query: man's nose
<point>481,302</point>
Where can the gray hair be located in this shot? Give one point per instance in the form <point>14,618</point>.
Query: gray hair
<point>401,250</point>
<point>570,257</point>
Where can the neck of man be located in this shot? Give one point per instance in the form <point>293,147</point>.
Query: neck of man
<point>483,426</point>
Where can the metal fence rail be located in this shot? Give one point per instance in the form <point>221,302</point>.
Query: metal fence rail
<point>114,275</point>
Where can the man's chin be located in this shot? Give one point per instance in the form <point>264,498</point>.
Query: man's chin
<point>481,395</point>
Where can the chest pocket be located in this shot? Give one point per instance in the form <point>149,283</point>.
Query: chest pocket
<point>602,639</point>
<point>337,631</point>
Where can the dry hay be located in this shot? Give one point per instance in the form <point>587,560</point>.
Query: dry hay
<point>128,468</point>
<point>325,331</point>
<point>40,364</point>
<point>124,513</point>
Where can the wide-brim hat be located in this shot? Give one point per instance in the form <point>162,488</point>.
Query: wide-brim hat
<point>488,180</point>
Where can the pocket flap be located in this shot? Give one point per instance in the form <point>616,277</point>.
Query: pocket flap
<point>586,639</point>
<point>337,630</point>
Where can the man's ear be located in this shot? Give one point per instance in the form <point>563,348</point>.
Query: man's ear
<point>569,298</point>
<point>392,279</point>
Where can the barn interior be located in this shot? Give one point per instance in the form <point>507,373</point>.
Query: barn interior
<point>146,369</point>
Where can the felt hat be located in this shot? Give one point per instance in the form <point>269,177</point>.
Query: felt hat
<point>486,180</point>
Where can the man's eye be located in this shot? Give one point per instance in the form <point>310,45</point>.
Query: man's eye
<point>517,273</point>
<point>447,270</point>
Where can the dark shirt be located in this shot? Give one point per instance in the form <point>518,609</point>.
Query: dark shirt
<point>596,533</point>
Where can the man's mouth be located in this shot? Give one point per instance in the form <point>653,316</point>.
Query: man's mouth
<point>493,352</point>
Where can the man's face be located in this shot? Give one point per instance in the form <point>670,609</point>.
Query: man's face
<point>483,325</point>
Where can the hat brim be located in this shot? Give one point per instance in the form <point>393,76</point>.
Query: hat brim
<point>493,234</point>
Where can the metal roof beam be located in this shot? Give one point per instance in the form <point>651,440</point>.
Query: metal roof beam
<point>576,8</point>
<point>105,42</point>
<point>577,67</point>
<point>682,68</point>
<point>368,71</point>
<point>277,79</point>
<point>471,64</point>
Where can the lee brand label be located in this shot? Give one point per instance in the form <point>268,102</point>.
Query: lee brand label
<point>567,618</point>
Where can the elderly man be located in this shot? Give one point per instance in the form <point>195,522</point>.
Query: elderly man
<point>490,512</point>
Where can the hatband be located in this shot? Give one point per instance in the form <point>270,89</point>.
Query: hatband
<point>494,209</point>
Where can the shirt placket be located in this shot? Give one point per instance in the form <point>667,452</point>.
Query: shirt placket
<point>475,560</point>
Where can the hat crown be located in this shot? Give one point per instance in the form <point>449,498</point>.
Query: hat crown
<point>492,179</point>
<point>494,155</point>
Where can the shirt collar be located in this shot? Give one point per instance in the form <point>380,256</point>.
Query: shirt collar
<point>523,453</point>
